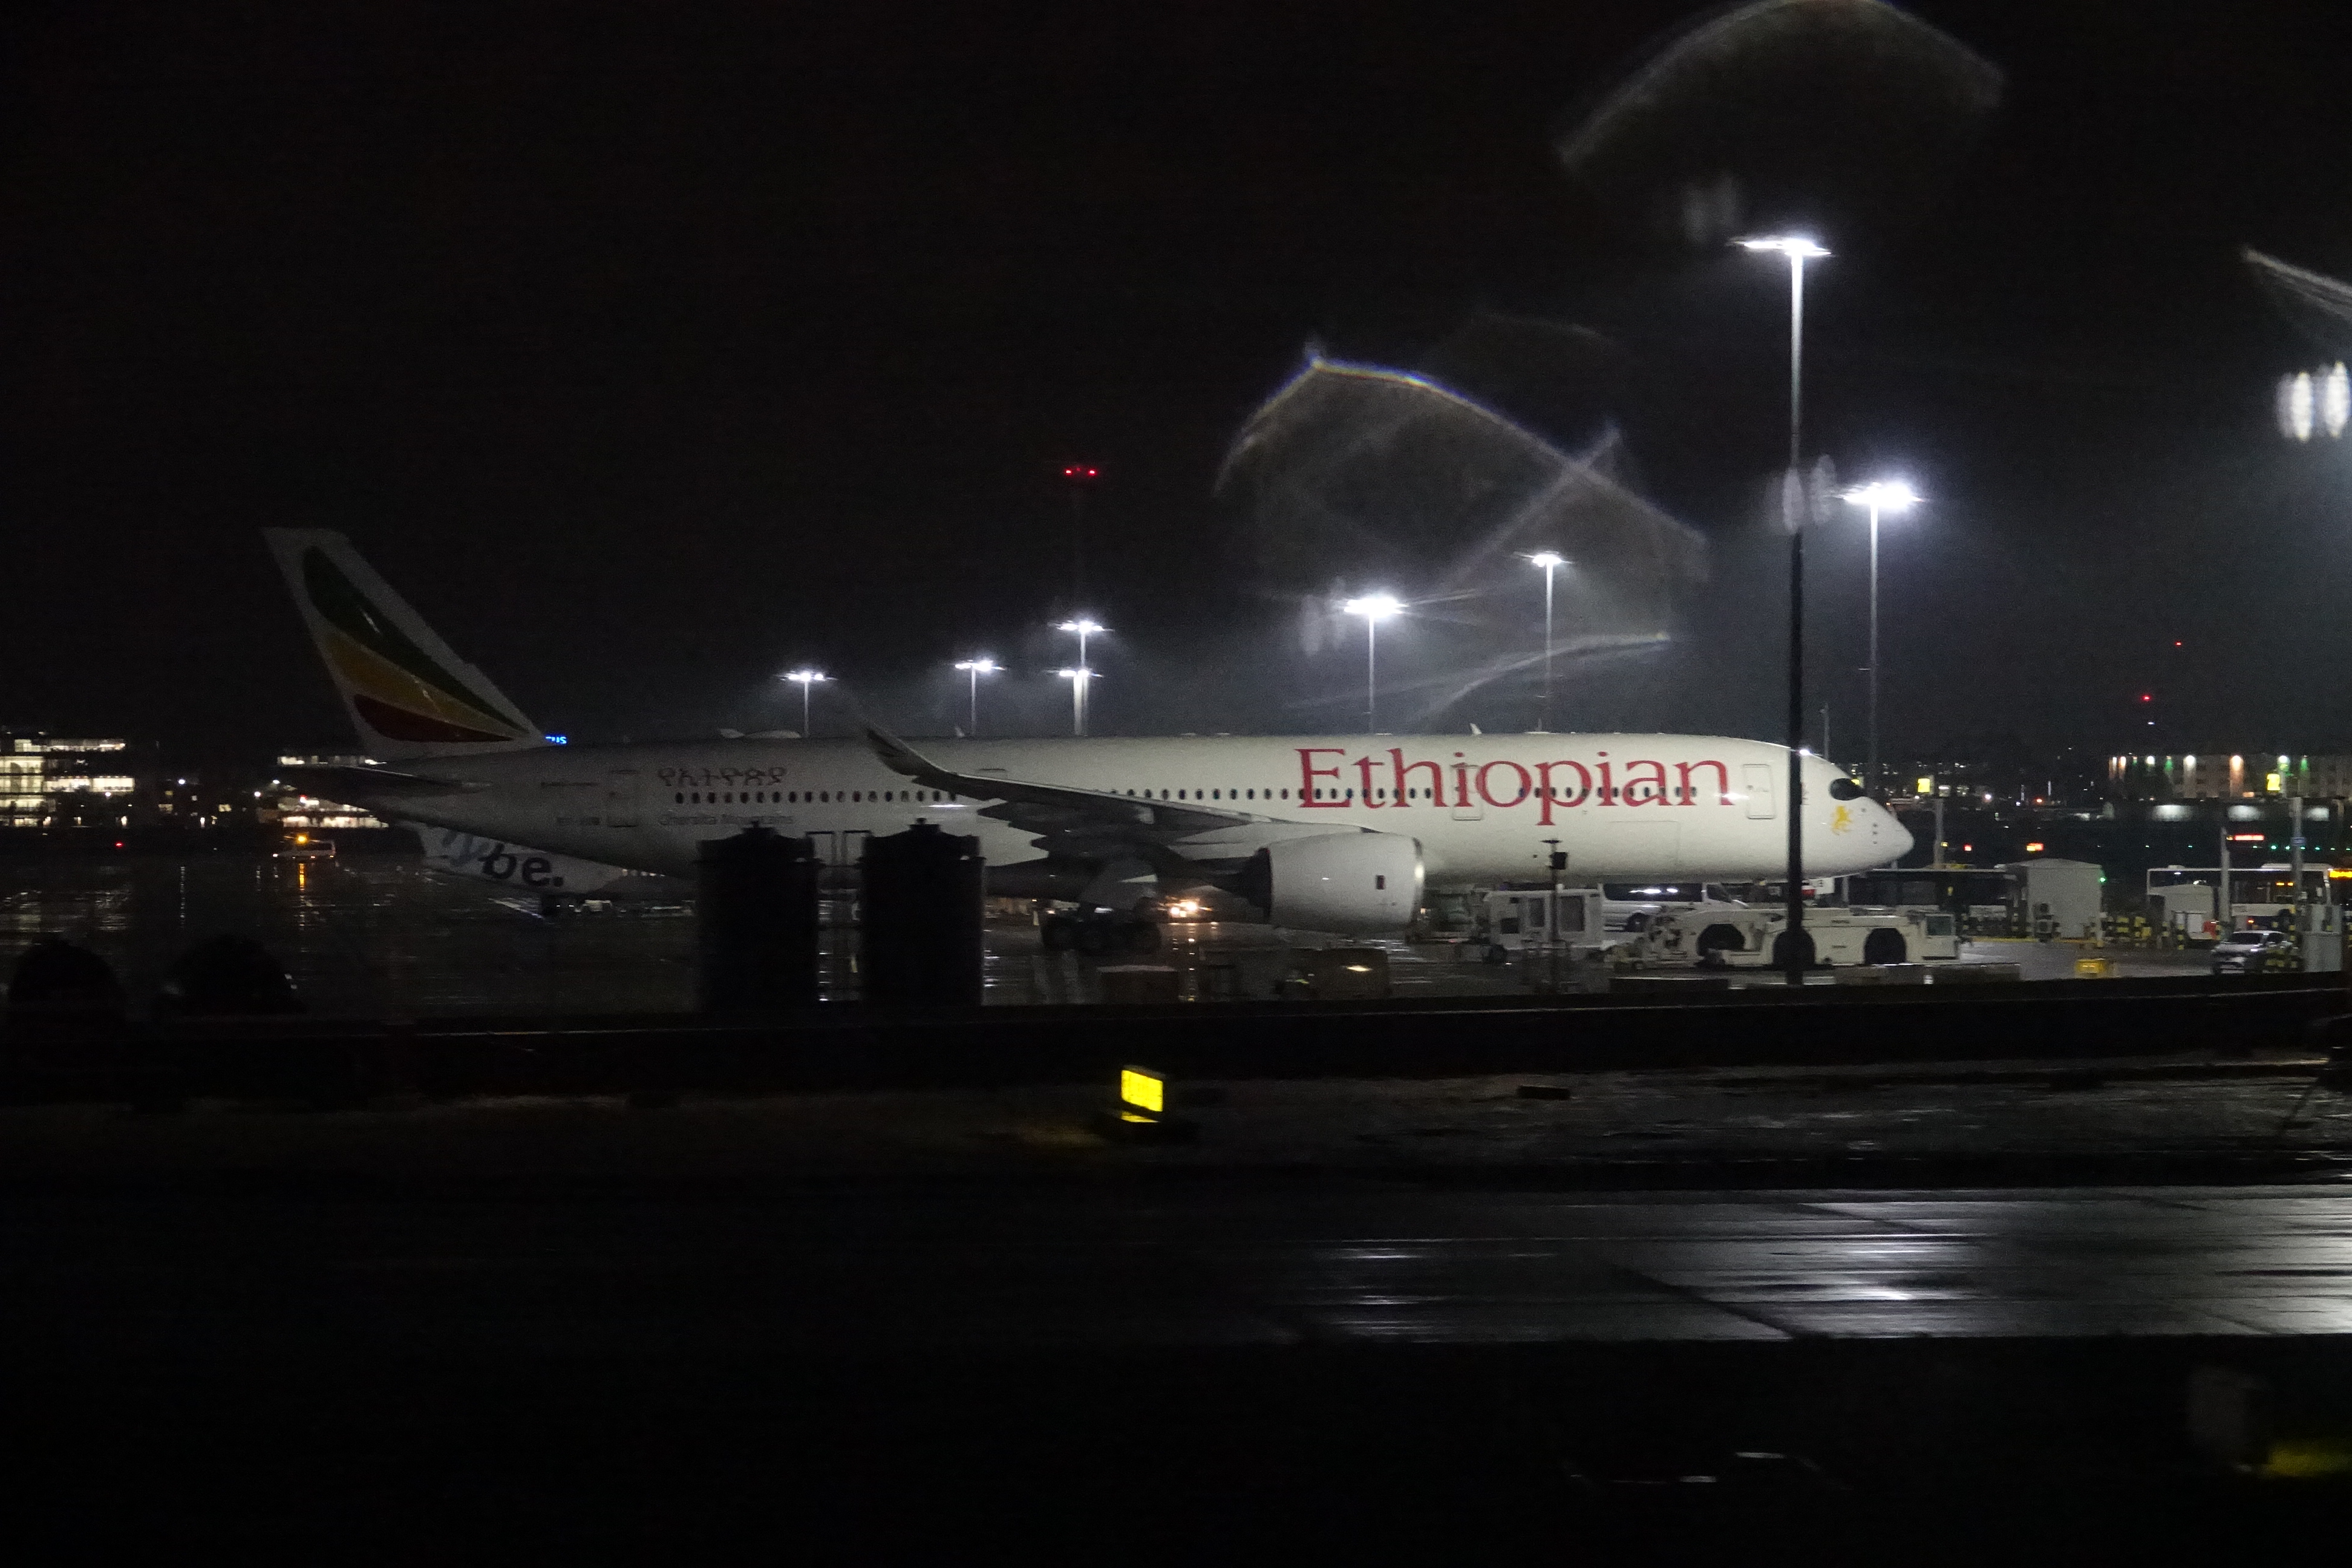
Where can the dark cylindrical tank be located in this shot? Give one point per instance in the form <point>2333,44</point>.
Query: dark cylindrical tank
<point>756,922</point>
<point>925,895</point>
<point>227,976</point>
<point>56,982</point>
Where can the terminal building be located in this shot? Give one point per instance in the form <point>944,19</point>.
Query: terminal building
<point>50,783</point>
<point>2235,776</point>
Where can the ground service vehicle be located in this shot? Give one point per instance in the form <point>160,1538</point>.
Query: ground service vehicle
<point>1749,938</point>
<point>1632,906</point>
<point>1541,917</point>
<point>2256,951</point>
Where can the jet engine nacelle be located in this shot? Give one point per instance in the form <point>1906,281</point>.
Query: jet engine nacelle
<point>1355,883</point>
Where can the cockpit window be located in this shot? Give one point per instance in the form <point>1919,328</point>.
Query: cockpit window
<point>1846,789</point>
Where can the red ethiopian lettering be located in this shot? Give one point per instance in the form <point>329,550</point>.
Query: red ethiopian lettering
<point>1364,766</point>
<point>1722,781</point>
<point>1525,783</point>
<point>1308,772</point>
<point>1656,792</point>
<point>1404,771</point>
<point>1551,796</point>
<point>1461,783</point>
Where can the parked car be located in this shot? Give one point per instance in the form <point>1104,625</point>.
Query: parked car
<point>2254,952</point>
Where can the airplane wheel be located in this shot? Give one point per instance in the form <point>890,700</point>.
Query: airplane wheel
<point>1716,941</point>
<point>1058,933</point>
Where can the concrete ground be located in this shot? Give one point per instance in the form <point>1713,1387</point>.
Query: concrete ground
<point>383,937</point>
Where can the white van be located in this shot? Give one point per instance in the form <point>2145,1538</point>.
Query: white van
<point>1632,906</point>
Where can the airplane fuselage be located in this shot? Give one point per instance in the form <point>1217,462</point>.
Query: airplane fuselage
<point>1483,809</point>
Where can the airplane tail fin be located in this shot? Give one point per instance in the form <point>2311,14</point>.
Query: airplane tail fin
<point>408,695</point>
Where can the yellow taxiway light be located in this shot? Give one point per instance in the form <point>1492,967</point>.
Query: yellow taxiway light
<point>1142,1094</point>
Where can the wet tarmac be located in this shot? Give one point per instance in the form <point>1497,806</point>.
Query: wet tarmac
<point>383,937</point>
<point>1455,1211</point>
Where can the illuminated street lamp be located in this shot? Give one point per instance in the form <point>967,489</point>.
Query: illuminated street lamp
<point>1894,497</point>
<point>1550,561</point>
<point>2314,402</point>
<point>1375,608</point>
<point>1799,249</point>
<point>804,678</point>
<point>1082,627</point>
<point>976,667</point>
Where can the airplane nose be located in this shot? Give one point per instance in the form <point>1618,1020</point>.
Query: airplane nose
<point>1892,833</point>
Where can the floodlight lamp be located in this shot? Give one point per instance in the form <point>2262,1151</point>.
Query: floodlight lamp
<point>2294,406</point>
<point>1079,674</point>
<point>1083,626</point>
<point>1374,606</point>
<point>1790,245</point>
<point>1886,495</point>
<point>981,665</point>
<point>1547,559</point>
<point>806,677</point>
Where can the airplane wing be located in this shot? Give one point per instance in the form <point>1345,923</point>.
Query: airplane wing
<point>351,785</point>
<point>1079,821</point>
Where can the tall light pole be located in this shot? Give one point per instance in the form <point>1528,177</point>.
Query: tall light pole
<point>1083,627</point>
<point>805,678</point>
<point>1077,679</point>
<point>1550,561</point>
<point>1078,475</point>
<point>1375,608</point>
<point>976,667</point>
<point>1799,250</point>
<point>1880,496</point>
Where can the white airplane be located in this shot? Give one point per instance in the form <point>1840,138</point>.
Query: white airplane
<point>1330,833</point>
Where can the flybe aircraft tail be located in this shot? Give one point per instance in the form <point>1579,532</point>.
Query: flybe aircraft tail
<point>408,695</point>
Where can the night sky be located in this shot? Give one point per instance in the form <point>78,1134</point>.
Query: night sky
<point>653,350</point>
